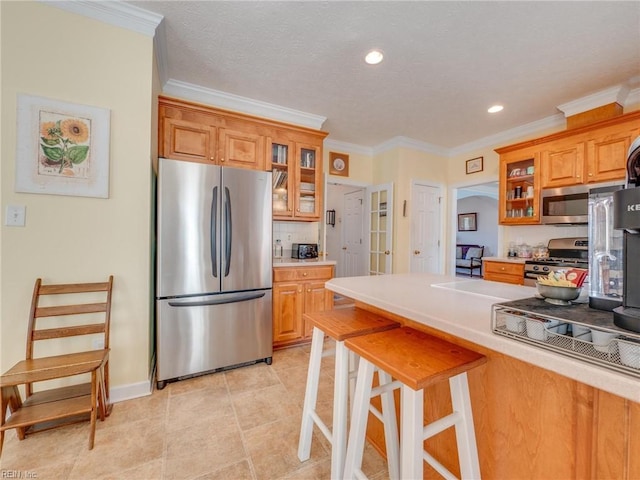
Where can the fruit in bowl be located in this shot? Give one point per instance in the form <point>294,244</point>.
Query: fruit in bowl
<point>558,294</point>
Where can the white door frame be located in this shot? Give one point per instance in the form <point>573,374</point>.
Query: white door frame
<point>441,226</point>
<point>452,208</point>
<point>330,179</point>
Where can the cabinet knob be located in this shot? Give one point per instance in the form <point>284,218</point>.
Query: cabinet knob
<point>304,274</point>
<point>222,159</point>
<point>300,291</point>
<point>591,174</point>
<point>416,252</point>
<point>308,290</point>
<point>387,252</point>
<point>344,248</point>
<point>212,158</point>
<point>502,268</point>
<point>297,209</point>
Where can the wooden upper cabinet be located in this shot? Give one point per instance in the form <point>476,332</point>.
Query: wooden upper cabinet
<point>242,149</point>
<point>184,140</point>
<point>607,153</point>
<point>562,164</point>
<point>199,133</point>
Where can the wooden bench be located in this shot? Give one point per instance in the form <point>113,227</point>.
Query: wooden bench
<point>469,257</point>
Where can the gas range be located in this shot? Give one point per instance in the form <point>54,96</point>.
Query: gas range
<point>563,253</point>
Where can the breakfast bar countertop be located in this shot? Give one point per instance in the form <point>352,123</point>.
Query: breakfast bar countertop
<point>462,308</point>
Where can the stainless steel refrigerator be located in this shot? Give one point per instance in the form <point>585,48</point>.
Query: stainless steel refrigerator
<point>213,291</point>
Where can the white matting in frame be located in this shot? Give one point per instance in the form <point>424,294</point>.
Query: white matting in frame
<point>62,148</point>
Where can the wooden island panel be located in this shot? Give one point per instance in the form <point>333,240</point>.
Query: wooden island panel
<point>531,422</point>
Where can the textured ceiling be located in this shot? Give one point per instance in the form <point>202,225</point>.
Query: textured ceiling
<point>445,62</point>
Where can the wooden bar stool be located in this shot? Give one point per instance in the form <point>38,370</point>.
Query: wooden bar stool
<point>417,360</point>
<point>340,325</point>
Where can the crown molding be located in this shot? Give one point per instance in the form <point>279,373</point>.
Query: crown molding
<point>230,101</point>
<point>345,147</point>
<point>507,136</point>
<point>115,13</point>
<point>617,94</point>
<point>406,142</point>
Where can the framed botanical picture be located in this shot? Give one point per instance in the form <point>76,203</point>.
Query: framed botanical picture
<point>338,164</point>
<point>467,222</point>
<point>63,148</point>
<point>474,165</point>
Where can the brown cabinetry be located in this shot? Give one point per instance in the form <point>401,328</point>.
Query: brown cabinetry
<point>297,180</point>
<point>507,272</point>
<point>519,195</point>
<point>296,291</point>
<point>589,154</point>
<point>198,133</point>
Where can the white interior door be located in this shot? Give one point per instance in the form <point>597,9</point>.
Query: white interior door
<point>353,233</point>
<point>380,227</point>
<point>425,229</point>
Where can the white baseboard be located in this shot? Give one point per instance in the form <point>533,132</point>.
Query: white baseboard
<point>128,392</point>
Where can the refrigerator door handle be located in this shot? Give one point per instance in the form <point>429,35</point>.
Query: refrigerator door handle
<point>227,231</point>
<point>219,301</point>
<point>214,241</point>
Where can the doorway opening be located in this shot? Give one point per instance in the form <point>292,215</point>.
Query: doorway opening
<point>343,230</point>
<point>481,200</point>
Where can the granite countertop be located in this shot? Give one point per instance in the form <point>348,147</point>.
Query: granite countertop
<point>463,308</point>
<point>295,262</point>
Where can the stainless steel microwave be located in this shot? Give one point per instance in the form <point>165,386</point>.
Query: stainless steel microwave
<point>567,205</point>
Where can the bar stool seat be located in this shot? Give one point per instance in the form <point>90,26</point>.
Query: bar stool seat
<point>340,325</point>
<point>416,360</point>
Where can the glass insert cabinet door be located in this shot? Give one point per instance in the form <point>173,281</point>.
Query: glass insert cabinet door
<point>280,160</point>
<point>380,229</point>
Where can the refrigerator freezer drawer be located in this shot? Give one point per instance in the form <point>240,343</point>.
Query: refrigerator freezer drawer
<point>199,334</point>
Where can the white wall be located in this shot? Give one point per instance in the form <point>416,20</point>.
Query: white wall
<point>486,234</point>
<point>51,53</point>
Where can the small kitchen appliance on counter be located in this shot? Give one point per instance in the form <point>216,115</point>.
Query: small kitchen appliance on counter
<point>627,218</point>
<point>304,250</point>
<point>605,251</point>
<point>564,253</point>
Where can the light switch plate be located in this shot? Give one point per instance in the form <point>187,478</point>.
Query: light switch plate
<point>15,215</point>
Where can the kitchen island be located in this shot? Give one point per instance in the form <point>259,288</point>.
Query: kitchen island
<point>538,414</point>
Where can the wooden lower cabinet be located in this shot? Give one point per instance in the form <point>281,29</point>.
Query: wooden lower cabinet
<point>531,423</point>
<point>296,291</point>
<point>507,272</point>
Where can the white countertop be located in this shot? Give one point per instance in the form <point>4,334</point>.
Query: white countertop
<point>295,262</point>
<point>505,259</point>
<point>463,308</point>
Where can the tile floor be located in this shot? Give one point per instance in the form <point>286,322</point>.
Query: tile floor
<point>239,424</point>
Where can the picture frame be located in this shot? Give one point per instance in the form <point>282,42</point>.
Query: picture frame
<point>338,164</point>
<point>474,165</point>
<point>62,148</point>
<point>467,222</point>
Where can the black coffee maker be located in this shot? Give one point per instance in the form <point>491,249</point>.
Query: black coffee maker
<point>627,217</point>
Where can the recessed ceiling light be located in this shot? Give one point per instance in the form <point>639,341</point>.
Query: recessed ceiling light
<point>495,109</point>
<point>374,57</point>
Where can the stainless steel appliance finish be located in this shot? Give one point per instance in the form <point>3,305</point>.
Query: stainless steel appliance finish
<point>565,205</point>
<point>564,253</point>
<point>627,218</point>
<point>214,270</point>
<point>605,251</point>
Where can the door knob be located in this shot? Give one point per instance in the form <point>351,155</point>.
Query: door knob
<point>344,248</point>
<point>387,252</point>
<point>417,252</point>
